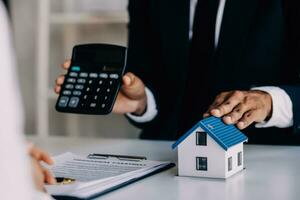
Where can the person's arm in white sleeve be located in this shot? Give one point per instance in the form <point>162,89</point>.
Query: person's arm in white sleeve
<point>16,179</point>
<point>282,108</point>
<point>151,110</point>
<point>42,196</point>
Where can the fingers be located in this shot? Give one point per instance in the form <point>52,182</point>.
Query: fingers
<point>48,177</point>
<point>237,113</point>
<point>228,105</point>
<point>38,175</point>
<point>133,87</point>
<point>41,155</point>
<point>66,65</point>
<point>132,97</point>
<point>40,172</point>
<point>218,100</point>
<point>247,119</point>
<point>127,80</point>
<point>242,107</point>
<point>59,81</point>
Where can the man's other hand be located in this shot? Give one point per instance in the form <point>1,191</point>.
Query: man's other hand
<point>131,98</point>
<point>241,107</point>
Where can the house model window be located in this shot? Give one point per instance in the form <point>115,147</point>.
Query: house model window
<point>240,157</point>
<point>201,163</point>
<point>201,138</point>
<point>229,163</point>
<point>211,149</point>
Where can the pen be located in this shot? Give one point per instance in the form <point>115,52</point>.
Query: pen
<point>120,157</point>
<point>64,181</point>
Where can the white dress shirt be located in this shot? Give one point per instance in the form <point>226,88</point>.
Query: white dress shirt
<point>282,115</point>
<point>15,172</point>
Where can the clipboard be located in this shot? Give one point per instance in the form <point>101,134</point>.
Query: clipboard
<point>137,160</point>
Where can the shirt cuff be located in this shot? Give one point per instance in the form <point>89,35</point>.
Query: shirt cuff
<point>282,108</point>
<point>151,110</point>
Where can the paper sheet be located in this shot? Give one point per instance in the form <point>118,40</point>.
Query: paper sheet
<point>96,175</point>
<point>84,169</point>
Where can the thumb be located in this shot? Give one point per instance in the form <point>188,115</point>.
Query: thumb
<point>133,87</point>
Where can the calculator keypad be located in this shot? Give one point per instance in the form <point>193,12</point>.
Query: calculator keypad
<point>88,91</point>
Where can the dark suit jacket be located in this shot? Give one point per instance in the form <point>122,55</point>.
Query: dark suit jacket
<point>255,45</point>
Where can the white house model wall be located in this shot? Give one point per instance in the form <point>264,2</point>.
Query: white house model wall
<point>211,149</point>
<point>217,158</point>
<point>188,151</point>
<point>234,152</point>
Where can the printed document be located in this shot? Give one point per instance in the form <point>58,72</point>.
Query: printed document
<point>98,175</point>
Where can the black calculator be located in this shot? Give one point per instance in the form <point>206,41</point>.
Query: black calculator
<point>94,79</point>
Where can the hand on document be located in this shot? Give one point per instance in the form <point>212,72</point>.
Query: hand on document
<point>40,174</point>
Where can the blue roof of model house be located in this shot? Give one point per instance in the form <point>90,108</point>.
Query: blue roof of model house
<point>225,135</point>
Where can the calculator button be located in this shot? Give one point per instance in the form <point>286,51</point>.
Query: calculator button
<point>100,82</point>
<point>74,102</point>
<point>79,87</point>
<point>93,75</point>
<point>71,80</point>
<point>63,101</point>
<point>114,76</point>
<point>90,81</point>
<point>93,105</point>
<point>77,93</point>
<point>103,75</point>
<point>69,86</point>
<point>66,92</point>
<point>83,75</point>
<point>73,74</point>
<point>88,89</point>
<point>103,105</point>
<point>95,97</point>
<point>111,82</point>
<point>85,97</point>
<point>81,80</point>
<point>75,68</point>
<point>98,90</point>
<point>108,90</point>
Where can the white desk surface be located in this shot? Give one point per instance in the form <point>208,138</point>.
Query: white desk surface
<point>272,172</point>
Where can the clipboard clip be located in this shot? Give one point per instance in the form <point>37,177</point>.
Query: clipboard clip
<point>119,157</point>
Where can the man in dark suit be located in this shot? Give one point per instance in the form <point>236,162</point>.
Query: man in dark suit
<point>254,45</point>
<point>187,59</point>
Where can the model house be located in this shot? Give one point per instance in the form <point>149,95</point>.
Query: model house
<point>211,149</point>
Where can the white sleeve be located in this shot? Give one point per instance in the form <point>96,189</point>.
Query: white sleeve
<point>14,168</point>
<point>151,110</point>
<point>282,108</point>
<point>42,196</point>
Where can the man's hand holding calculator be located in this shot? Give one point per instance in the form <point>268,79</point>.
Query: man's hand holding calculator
<point>131,98</point>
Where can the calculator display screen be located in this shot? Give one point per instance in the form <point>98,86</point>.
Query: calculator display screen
<point>105,56</point>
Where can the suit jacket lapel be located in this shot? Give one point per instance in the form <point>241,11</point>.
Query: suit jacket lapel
<point>237,18</point>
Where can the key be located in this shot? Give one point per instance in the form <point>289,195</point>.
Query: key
<point>63,101</point>
<point>74,102</point>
